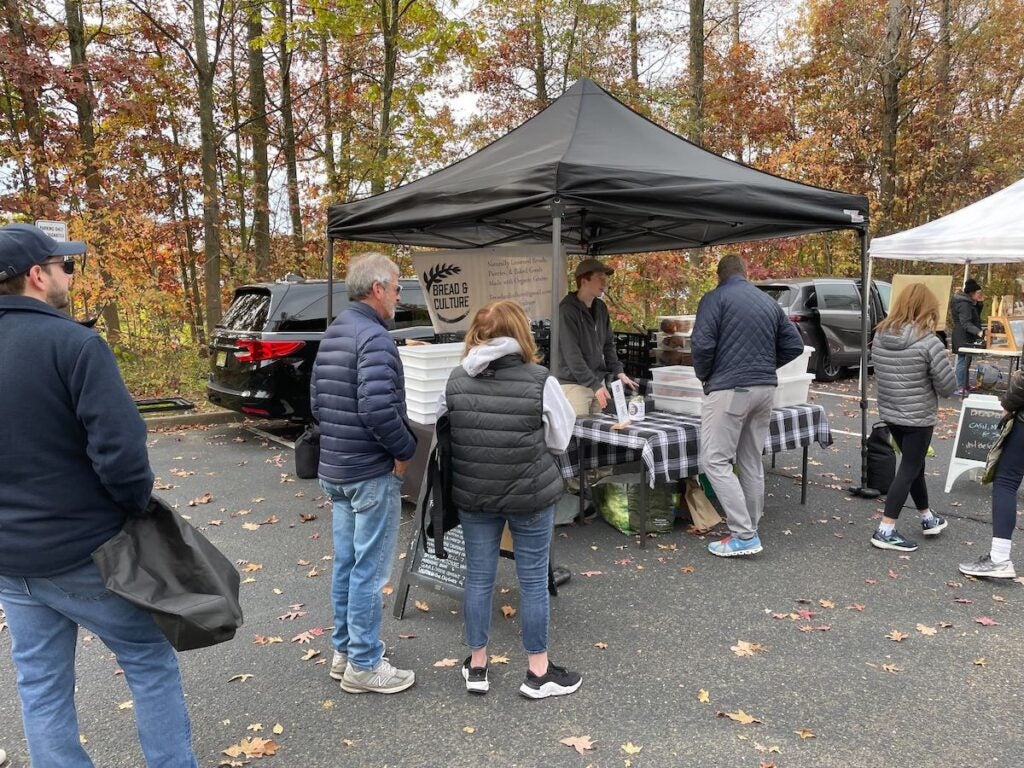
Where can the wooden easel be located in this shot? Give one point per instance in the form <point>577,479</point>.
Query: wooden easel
<point>1000,333</point>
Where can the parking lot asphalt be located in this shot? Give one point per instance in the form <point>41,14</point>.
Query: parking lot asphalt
<point>853,656</point>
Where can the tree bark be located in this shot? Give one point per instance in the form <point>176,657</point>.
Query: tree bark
<point>327,105</point>
<point>83,101</point>
<point>241,173</point>
<point>634,44</point>
<point>697,72</point>
<point>258,130</point>
<point>288,120</point>
<point>389,16</point>
<point>540,69</point>
<point>892,69</point>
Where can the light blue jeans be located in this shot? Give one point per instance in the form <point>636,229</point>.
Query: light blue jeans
<point>531,540</point>
<point>366,518</point>
<point>963,371</point>
<point>44,615</point>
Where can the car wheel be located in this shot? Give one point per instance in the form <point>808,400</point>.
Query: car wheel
<point>824,369</point>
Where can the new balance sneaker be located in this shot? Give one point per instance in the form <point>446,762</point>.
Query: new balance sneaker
<point>340,661</point>
<point>733,546</point>
<point>557,681</point>
<point>475,677</point>
<point>933,525</point>
<point>894,540</point>
<point>383,678</point>
<point>986,566</point>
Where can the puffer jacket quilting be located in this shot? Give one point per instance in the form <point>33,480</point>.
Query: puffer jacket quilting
<point>911,372</point>
<point>357,395</point>
<point>966,318</point>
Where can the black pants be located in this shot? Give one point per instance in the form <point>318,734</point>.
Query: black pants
<point>913,443</point>
<point>1009,474</point>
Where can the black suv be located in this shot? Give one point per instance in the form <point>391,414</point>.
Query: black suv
<point>262,351</point>
<point>826,311</point>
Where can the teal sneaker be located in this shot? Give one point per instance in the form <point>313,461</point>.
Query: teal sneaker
<point>732,546</point>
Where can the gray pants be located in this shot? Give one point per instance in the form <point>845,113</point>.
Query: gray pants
<point>734,424</point>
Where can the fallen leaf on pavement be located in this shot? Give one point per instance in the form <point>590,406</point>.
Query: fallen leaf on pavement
<point>496,659</point>
<point>601,646</point>
<point>703,696</point>
<point>580,743</point>
<point>980,662</point>
<point>630,748</point>
<point>687,569</point>
<point>252,567</point>
<point>206,498</point>
<point>446,663</point>
<point>420,605</point>
<point>587,573</point>
<point>926,630</point>
<point>985,621</point>
<point>891,668</point>
<point>278,729</point>
<point>508,611</point>
<point>805,733</point>
<point>825,603</point>
<point>240,678</point>
<point>743,648</point>
<point>739,716</point>
<point>254,747</point>
<point>311,653</point>
<point>896,636</point>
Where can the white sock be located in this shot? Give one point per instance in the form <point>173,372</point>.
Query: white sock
<point>886,528</point>
<point>1000,551</point>
<point>926,514</point>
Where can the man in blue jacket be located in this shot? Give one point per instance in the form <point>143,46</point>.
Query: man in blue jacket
<point>740,338</point>
<point>73,452</point>
<point>358,399</point>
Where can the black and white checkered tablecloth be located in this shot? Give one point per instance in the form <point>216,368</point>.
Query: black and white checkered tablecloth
<point>669,443</point>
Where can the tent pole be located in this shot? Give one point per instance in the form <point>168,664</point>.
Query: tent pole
<point>557,276</point>
<point>330,280</point>
<point>866,296</point>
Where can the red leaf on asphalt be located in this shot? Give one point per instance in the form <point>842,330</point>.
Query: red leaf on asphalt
<point>964,600</point>
<point>893,574</point>
<point>985,621</point>
<point>870,581</point>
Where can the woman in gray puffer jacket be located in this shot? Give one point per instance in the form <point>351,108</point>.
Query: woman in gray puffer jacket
<point>911,371</point>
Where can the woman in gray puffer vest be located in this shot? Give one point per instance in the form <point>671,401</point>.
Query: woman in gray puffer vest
<point>508,418</point>
<point>911,372</point>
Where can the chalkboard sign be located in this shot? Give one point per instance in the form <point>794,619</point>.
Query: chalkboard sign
<point>979,428</point>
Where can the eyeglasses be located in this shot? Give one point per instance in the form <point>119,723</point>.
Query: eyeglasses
<point>67,264</point>
<point>397,287</point>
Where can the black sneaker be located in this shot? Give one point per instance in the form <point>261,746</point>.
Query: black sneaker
<point>933,526</point>
<point>475,677</point>
<point>894,540</point>
<point>557,681</point>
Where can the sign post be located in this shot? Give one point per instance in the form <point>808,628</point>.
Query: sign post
<point>975,434</point>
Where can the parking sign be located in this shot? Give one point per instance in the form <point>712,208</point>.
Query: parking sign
<point>58,230</point>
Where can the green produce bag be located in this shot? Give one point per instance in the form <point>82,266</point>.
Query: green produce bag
<point>617,498</point>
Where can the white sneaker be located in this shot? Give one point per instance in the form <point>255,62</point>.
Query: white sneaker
<point>340,661</point>
<point>383,678</point>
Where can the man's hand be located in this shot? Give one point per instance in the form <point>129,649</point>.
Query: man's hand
<point>602,397</point>
<point>400,467</point>
<point>628,382</point>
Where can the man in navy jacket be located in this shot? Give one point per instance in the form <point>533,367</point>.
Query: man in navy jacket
<point>358,399</point>
<point>740,337</point>
<point>73,452</point>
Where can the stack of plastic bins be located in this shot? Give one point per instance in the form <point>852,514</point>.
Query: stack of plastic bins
<point>426,373</point>
<point>676,388</point>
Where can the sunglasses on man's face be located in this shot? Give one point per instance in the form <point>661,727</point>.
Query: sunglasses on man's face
<point>67,264</point>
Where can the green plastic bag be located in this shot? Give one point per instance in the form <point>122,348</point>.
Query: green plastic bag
<point>617,498</point>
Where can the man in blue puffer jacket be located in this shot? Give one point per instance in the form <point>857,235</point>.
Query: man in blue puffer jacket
<point>740,338</point>
<point>358,399</point>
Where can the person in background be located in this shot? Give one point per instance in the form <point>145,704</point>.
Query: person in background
<point>73,449</point>
<point>965,307</point>
<point>358,400</point>
<point>508,418</point>
<point>1009,472</point>
<point>741,336</point>
<point>911,372</point>
<point>586,359</point>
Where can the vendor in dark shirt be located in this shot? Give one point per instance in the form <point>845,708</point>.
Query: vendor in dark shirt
<point>586,361</point>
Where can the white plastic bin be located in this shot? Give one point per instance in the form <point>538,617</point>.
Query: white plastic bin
<point>673,375</point>
<point>798,366</point>
<point>432,357</point>
<point>679,404</point>
<point>421,414</point>
<point>792,390</point>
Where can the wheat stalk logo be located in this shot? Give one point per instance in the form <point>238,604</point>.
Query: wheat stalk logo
<point>436,274</point>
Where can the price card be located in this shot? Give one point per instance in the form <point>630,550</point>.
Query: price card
<point>621,412</point>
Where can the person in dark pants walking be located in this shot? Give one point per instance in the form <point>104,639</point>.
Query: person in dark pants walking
<point>912,371</point>
<point>1009,473</point>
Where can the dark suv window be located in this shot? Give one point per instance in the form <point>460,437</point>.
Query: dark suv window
<point>838,296</point>
<point>248,311</point>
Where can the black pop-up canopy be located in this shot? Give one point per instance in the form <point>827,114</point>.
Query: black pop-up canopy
<point>591,175</point>
<point>625,185</point>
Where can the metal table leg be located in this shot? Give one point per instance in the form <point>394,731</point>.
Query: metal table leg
<point>803,479</point>
<point>643,505</point>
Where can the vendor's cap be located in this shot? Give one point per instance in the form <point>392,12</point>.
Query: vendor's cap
<point>592,265</point>
<point>22,246</point>
<point>971,285</point>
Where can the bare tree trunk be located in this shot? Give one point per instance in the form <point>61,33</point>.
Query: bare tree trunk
<point>240,170</point>
<point>389,16</point>
<point>634,43</point>
<point>83,101</point>
<point>257,131</point>
<point>893,68</point>
<point>540,68</point>
<point>208,140</point>
<point>735,22</point>
<point>327,104</point>
<point>190,281</point>
<point>28,86</point>
<point>288,120</point>
<point>697,72</point>
<point>345,138</point>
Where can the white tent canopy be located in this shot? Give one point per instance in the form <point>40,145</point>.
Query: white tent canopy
<point>990,231</point>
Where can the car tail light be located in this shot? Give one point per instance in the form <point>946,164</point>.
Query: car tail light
<point>253,351</point>
<point>797,318</point>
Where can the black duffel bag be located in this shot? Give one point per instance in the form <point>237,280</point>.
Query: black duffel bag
<point>167,568</point>
<point>881,460</point>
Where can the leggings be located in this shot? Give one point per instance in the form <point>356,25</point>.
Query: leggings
<point>1007,482</point>
<point>913,443</point>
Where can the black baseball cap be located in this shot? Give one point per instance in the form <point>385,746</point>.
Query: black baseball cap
<point>22,246</point>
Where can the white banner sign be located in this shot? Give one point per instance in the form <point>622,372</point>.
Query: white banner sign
<point>458,283</point>
<point>58,230</point>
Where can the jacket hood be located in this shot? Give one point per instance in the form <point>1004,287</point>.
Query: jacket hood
<point>480,357</point>
<point>960,296</point>
<point>901,339</point>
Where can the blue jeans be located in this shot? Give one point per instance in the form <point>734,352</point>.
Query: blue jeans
<point>531,539</point>
<point>1009,473</point>
<point>366,518</point>
<point>963,371</point>
<point>44,615</point>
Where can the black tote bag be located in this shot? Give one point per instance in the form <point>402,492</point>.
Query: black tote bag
<point>307,453</point>
<point>881,458</point>
<point>163,565</point>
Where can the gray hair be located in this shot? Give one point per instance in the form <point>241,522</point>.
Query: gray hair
<point>731,264</point>
<point>367,269</point>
